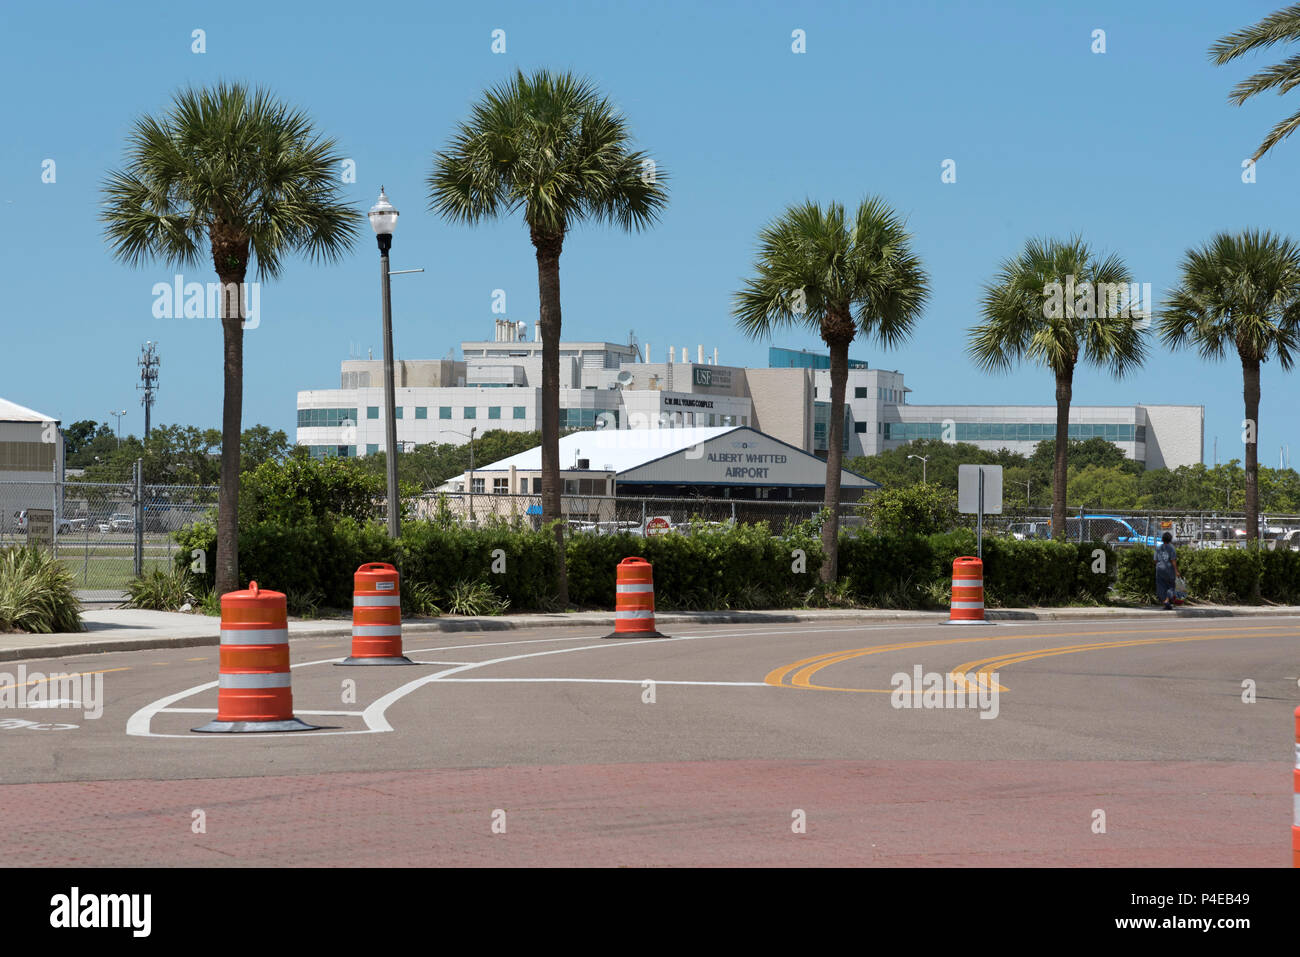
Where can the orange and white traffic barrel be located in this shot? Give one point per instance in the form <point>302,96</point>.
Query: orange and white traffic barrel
<point>376,617</point>
<point>253,689</point>
<point>634,600</point>
<point>967,605</point>
<point>1295,820</point>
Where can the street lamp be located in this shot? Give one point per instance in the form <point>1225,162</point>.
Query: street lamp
<point>383,219</point>
<point>472,430</point>
<point>119,426</point>
<point>924,459</point>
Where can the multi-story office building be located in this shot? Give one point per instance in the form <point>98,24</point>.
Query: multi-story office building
<point>497,385</point>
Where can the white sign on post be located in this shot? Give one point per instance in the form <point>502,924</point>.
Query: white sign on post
<point>968,489</point>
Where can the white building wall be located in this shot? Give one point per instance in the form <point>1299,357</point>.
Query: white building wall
<point>1175,435</point>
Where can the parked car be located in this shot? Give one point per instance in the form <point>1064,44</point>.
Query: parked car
<point>1027,530</point>
<point>118,522</point>
<point>65,524</point>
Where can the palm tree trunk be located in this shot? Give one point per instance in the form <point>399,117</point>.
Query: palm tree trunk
<point>1064,391</point>
<point>1250,380</point>
<point>548,294</point>
<point>232,330</point>
<point>839,349</point>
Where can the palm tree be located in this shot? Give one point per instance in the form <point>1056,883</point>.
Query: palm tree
<point>1279,27</point>
<point>1240,290</point>
<point>819,271</point>
<point>238,175</point>
<point>1056,305</point>
<point>552,147</point>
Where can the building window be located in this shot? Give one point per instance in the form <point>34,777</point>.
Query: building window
<point>372,412</point>
<point>444,412</point>
<point>421,411</point>
<point>478,486</point>
<point>860,392</point>
<point>326,418</point>
<point>859,427</point>
<point>520,411</point>
<point>494,412</point>
<point>397,412</point>
<point>471,412</point>
<point>332,451</point>
<point>372,448</point>
<point>501,486</point>
<point>537,484</point>
<point>586,486</point>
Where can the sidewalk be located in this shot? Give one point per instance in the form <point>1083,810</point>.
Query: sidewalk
<point>123,629</point>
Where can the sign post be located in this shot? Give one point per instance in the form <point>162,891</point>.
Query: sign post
<point>658,525</point>
<point>979,490</point>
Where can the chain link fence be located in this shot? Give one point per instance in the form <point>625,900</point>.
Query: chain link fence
<point>1194,529</point>
<point>103,532</point>
<point>604,514</point>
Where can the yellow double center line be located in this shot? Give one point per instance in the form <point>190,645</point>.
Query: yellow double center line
<point>799,674</point>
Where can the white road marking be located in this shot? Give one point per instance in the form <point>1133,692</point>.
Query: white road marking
<point>614,681</point>
<point>376,722</point>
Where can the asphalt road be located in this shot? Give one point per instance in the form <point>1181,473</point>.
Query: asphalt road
<point>1119,743</point>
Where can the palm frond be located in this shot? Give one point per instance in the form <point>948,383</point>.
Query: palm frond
<point>1277,27</point>
<point>814,265</point>
<point>232,156</point>
<point>552,147</point>
<point>1239,291</point>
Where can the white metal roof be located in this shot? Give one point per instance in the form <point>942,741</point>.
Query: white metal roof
<point>13,412</point>
<point>613,450</point>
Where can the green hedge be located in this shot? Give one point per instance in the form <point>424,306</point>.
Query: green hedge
<point>915,572</point>
<point>745,566</point>
<point>1227,576</point>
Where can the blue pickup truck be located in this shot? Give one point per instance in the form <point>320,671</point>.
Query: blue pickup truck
<point>1113,529</point>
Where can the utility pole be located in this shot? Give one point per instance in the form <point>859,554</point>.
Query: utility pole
<point>148,381</point>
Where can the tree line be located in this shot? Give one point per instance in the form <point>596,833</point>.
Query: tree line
<point>232,176</point>
<point>1099,476</point>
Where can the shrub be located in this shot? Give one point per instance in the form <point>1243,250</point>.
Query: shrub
<point>301,489</point>
<point>911,510</point>
<point>474,598</point>
<point>36,593</point>
<point>161,590</point>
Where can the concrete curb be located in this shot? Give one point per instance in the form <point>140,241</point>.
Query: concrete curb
<point>32,647</point>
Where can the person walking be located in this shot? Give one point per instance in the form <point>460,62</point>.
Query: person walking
<point>1166,570</point>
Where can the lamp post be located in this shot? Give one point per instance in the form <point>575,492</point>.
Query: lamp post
<point>924,459</point>
<point>472,430</point>
<point>119,426</point>
<point>383,219</point>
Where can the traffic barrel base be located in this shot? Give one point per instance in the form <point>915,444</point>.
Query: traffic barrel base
<point>634,601</point>
<point>376,617</point>
<point>293,724</point>
<point>388,660</point>
<point>254,690</point>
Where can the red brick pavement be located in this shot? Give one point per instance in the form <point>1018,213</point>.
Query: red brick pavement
<point>737,813</point>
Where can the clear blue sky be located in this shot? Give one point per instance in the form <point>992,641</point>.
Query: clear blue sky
<point>1137,149</point>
